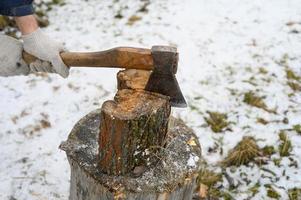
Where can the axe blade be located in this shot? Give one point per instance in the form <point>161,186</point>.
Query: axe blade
<point>167,84</point>
<point>162,80</point>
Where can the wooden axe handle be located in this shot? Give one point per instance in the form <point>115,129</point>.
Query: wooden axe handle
<point>120,57</point>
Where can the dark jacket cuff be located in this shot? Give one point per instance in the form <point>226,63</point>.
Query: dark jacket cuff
<point>18,11</point>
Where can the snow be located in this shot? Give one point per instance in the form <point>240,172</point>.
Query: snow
<point>222,45</point>
<point>192,160</point>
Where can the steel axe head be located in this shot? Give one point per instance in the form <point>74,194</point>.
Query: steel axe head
<point>162,79</point>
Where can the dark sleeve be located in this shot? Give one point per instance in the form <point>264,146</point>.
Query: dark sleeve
<point>16,7</point>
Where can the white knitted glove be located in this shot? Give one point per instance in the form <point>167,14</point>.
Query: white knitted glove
<point>41,66</point>
<point>11,62</point>
<point>46,49</point>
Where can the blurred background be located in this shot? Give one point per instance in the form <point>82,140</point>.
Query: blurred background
<point>240,71</point>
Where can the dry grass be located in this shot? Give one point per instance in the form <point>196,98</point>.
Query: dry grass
<point>285,146</point>
<point>291,75</point>
<point>208,178</point>
<point>295,86</point>
<point>294,194</point>
<point>217,121</point>
<point>268,151</point>
<point>207,181</point>
<point>252,99</point>
<point>293,80</point>
<point>297,128</point>
<point>244,152</point>
<point>254,189</point>
<point>133,19</point>
<point>262,121</point>
<point>271,192</point>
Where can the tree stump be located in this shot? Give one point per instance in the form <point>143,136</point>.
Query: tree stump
<point>131,149</point>
<point>132,127</point>
<point>173,177</point>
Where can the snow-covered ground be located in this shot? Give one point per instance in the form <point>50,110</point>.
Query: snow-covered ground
<point>227,48</point>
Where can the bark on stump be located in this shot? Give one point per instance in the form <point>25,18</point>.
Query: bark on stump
<point>173,177</point>
<point>132,128</point>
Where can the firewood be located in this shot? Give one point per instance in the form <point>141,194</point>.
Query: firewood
<point>131,125</point>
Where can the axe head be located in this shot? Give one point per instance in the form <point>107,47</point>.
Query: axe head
<point>162,80</point>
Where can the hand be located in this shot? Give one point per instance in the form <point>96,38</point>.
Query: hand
<point>11,62</point>
<point>46,49</point>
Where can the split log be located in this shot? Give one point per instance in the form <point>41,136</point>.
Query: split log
<point>132,79</point>
<point>133,126</point>
<point>173,177</point>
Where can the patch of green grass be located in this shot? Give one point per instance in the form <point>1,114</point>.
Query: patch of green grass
<point>193,107</point>
<point>254,189</point>
<point>285,146</point>
<point>294,194</point>
<point>252,81</point>
<point>272,193</point>
<point>277,161</point>
<point>59,2</point>
<point>244,152</point>
<point>291,75</point>
<point>297,128</point>
<point>268,150</point>
<point>284,60</point>
<point>227,196</point>
<point>217,121</point>
<point>294,86</point>
<point>293,80</point>
<point>252,99</point>
<point>262,121</point>
<point>262,70</point>
<point>208,178</point>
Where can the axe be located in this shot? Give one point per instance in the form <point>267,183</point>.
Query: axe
<point>162,60</point>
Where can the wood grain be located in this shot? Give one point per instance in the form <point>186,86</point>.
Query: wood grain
<point>131,125</point>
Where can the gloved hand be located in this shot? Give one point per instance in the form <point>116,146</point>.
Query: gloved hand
<point>46,49</point>
<point>11,62</point>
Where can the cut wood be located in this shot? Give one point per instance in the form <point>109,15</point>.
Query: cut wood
<point>133,126</point>
<point>132,79</point>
